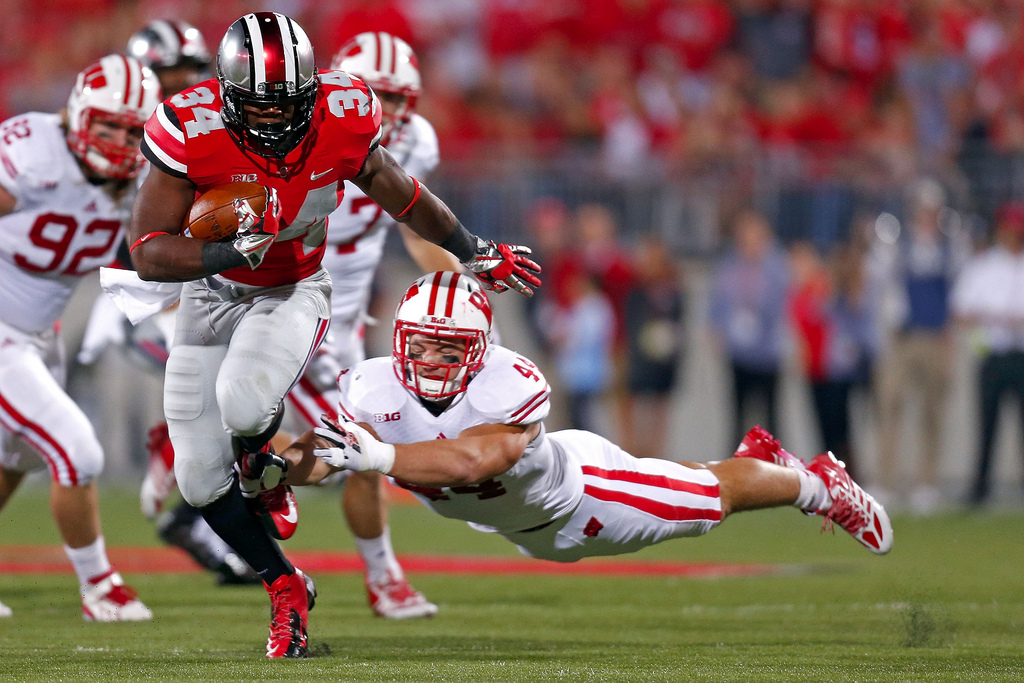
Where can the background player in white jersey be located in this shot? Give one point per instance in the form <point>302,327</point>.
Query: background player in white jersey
<point>355,245</point>
<point>460,423</point>
<point>66,190</point>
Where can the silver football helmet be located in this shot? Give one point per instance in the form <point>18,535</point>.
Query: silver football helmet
<point>266,61</point>
<point>166,44</point>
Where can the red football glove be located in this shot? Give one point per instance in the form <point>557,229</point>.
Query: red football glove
<point>500,266</point>
<point>256,233</point>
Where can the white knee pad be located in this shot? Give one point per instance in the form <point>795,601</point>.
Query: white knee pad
<point>203,455</point>
<point>247,402</point>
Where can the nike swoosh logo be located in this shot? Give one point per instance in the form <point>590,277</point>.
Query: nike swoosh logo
<point>293,515</point>
<point>315,176</point>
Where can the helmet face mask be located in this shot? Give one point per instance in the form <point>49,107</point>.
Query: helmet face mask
<point>265,66</point>
<point>442,335</point>
<point>388,65</point>
<point>115,92</point>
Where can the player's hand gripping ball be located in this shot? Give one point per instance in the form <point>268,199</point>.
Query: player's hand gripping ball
<point>212,217</point>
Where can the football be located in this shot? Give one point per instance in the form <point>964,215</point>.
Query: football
<point>212,216</point>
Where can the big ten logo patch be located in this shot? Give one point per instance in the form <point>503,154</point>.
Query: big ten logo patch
<point>243,177</point>
<point>387,417</point>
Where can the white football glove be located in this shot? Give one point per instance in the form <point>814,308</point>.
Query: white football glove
<point>354,447</point>
<point>255,232</point>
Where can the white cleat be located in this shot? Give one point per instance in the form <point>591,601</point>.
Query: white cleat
<point>394,598</point>
<point>852,508</point>
<point>5,611</point>
<point>108,599</point>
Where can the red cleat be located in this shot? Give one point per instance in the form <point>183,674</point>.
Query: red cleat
<point>852,508</point>
<point>291,598</point>
<point>277,510</point>
<point>396,599</point>
<point>761,445</point>
<point>159,479</point>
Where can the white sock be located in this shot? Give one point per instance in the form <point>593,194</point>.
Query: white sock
<point>379,557</point>
<point>813,496</point>
<point>90,561</point>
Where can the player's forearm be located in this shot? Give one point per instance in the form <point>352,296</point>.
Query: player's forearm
<point>427,256</point>
<point>176,258</point>
<point>454,462</point>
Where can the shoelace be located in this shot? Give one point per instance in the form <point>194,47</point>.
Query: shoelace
<point>280,614</point>
<point>844,513</point>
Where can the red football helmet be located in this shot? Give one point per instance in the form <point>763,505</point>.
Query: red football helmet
<point>116,90</point>
<point>442,305</point>
<point>266,60</point>
<point>388,65</point>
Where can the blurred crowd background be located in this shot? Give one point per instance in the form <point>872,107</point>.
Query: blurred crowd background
<point>816,197</point>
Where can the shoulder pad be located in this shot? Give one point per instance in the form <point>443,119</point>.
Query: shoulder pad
<point>510,389</point>
<point>34,153</point>
<point>369,387</point>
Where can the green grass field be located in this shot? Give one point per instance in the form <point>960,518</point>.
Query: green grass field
<point>946,604</point>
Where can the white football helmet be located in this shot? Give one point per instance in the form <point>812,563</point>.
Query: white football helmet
<point>118,90</point>
<point>442,305</point>
<point>388,65</point>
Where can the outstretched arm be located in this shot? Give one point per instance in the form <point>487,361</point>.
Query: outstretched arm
<point>477,454</point>
<point>409,201</point>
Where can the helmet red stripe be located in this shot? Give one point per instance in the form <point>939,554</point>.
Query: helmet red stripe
<point>127,80</point>
<point>274,55</point>
<point>431,306</point>
<point>376,38</point>
<point>394,56</point>
<point>449,305</point>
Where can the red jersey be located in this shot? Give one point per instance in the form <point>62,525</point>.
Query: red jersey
<point>186,138</point>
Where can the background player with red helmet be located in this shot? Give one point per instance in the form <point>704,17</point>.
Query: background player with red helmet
<point>66,188</point>
<point>254,310</point>
<point>355,245</point>
<point>465,433</point>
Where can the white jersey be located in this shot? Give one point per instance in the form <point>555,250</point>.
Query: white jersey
<point>545,484</point>
<point>63,227</point>
<point>358,227</point>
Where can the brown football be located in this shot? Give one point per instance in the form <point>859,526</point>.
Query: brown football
<point>212,216</point>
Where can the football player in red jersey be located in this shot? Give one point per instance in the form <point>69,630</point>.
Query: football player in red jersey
<point>253,310</point>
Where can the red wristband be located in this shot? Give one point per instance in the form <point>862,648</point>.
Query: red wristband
<point>145,238</point>
<point>415,196</point>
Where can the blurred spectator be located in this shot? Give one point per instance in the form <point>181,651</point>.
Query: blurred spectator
<point>775,35</point>
<point>917,267</point>
<point>833,320</point>
<point>548,225</point>
<point>607,261</point>
<point>581,335</point>
<point>988,299</point>
<point>935,80</point>
<point>748,316</point>
<point>654,346</point>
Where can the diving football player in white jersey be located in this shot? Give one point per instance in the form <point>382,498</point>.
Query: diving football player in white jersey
<point>66,190</point>
<point>355,245</point>
<point>459,422</point>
